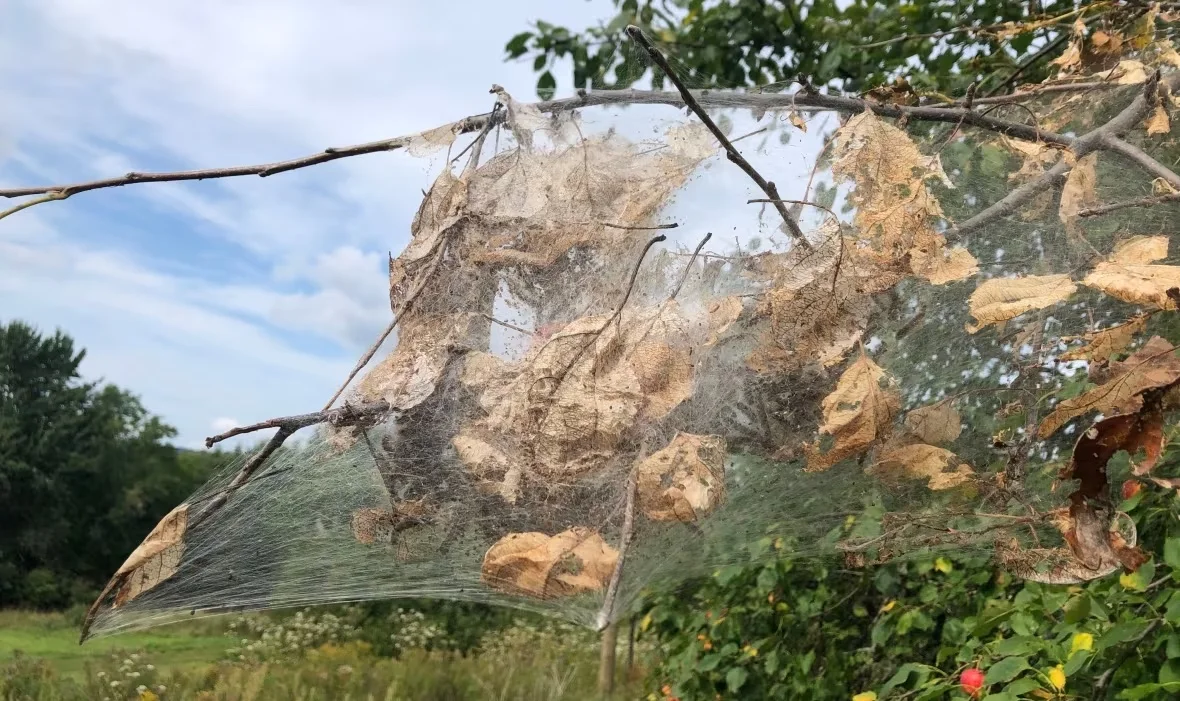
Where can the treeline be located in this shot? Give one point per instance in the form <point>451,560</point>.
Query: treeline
<point>86,471</point>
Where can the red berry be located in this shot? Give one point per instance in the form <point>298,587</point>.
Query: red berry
<point>1131,488</point>
<point>971,681</point>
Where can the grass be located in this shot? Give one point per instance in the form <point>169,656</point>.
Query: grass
<point>40,660</point>
<point>53,637</point>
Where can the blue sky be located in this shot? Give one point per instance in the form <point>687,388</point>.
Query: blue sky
<point>231,301</point>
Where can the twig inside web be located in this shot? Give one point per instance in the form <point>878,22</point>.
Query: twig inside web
<point>731,151</point>
<point>606,614</point>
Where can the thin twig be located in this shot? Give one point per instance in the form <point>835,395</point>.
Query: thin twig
<point>657,227</point>
<point>1116,206</point>
<point>805,203</point>
<point>35,201</point>
<point>607,612</point>
<point>731,151</point>
<point>1099,138</point>
<point>337,417</point>
<point>506,325</point>
<point>688,268</point>
<point>805,100</point>
<point>1144,160</point>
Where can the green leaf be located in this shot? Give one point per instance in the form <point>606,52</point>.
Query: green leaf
<point>546,86</point>
<point>1172,553</point>
<point>1121,633</point>
<point>1076,661</point>
<point>736,677</point>
<point>767,578</point>
<point>709,662</point>
<point>1078,609</point>
<point>899,677</point>
<point>1001,696</point>
<point>518,44</point>
<point>726,574</point>
<point>991,618</point>
<point>1005,670</point>
<point>1140,578</point>
<point>1173,646</point>
<point>1170,672</point>
<point>1144,691</point>
<point>1021,686</point>
<point>1023,645</point>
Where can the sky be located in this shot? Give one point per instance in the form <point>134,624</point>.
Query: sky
<point>231,301</point>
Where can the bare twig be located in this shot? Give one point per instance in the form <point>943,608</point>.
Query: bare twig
<point>803,100</point>
<point>1116,206</point>
<point>337,417</point>
<point>29,203</point>
<point>731,151</point>
<point>1102,137</point>
<point>805,203</point>
<point>1144,160</point>
<point>688,268</point>
<point>607,612</point>
<point>657,227</point>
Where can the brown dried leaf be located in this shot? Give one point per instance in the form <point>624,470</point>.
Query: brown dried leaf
<point>1102,345</point>
<point>943,265</point>
<point>936,423</point>
<point>685,480</point>
<point>1128,72</point>
<point>1154,365</point>
<point>919,461</point>
<point>1159,122</point>
<point>1139,250</point>
<point>1080,190</point>
<point>155,559</point>
<point>797,120</point>
<point>1000,299</point>
<point>722,314</point>
<point>1123,277</point>
<point>545,567</point>
<point>665,377</point>
<point>857,415</point>
<point>408,375</point>
<point>492,468</point>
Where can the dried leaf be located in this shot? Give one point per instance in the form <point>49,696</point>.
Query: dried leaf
<point>1128,72</point>
<point>857,415</point>
<point>665,377</point>
<point>722,314</point>
<point>492,468</point>
<point>1079,192</point>
<point>685,480</point>
<point>936,423</point>
<point>1102,345</point>
<point>1154,365</point>
<point>797,120</point>
<point>155,559</point>
<point>1126,276</point>
<point>943,265</point>
<point>407,376</point>
<point>940,467</point>
<point>432,141</point>
<point>1159,123</point>
<point>1000,299</point>
<point>544,567</point>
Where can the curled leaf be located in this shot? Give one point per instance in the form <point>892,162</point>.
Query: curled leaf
<point>938,466</point>
<point>1128,275</point>
<point>1102,345</point>
<point>685,480</point>
<point>857,415</point>
<point>544,567</point>
<point>937,423</point>
<point>155,560</point>
<point>1159,122</point>
<point>1000,299</point>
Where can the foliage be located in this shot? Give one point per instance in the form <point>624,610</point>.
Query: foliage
<point>851,46</point>
<point>909,629</point>
<point>85,472</point>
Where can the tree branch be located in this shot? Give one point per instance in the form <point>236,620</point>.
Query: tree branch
<point>607,612</point>
<point>731,151</point>
<point>1144,160</point>
<point>1116,206</point>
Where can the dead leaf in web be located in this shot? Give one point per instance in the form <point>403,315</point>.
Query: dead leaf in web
<point>1128,72</point>
<point>155,560</point>
<point>409,374</point>
<point>544,567</point>
<point>431,141</point>
<point>857,415</point>
<point>1000,299</point>
<point>1159,123</point>
<point>665,377</point>
<point>722,313</point>
<point>1102,345</point>
<point>941,468</point>
<point>1152,366</point>
<point>797,120</point>
<point>685,480</point>
<point>936,423</point>
<point>1080,191</point>
<point>1128,275</point>
<point>494,470</point>
<point>942,265</point>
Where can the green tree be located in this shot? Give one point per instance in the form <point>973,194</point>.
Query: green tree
<point>851,47</point>
<point>85,472</point>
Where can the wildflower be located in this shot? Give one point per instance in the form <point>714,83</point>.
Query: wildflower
<point>1057,677</point>
<point>865,696</point>
<point>888,606</point>
<point>1081,641</point>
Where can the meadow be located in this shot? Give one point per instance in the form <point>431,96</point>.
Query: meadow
<point>304,655</point>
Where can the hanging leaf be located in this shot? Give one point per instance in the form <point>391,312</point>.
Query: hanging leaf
<point>857,415</point>
<point>1127,273</point>
<point>936,423</point>
<point>797,120</point>
<point>938,466</point>
<point>1152,366</point>
<point>1080,191</point>
<point>1000,299</point>
<point>685,480</point>
<point>1159,123</point>
<point>544,567</point>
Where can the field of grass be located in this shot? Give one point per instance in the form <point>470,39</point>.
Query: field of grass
<point>40,660</point>
<point>53,637</point>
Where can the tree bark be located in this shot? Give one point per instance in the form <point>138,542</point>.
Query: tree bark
<point>606,662</point>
